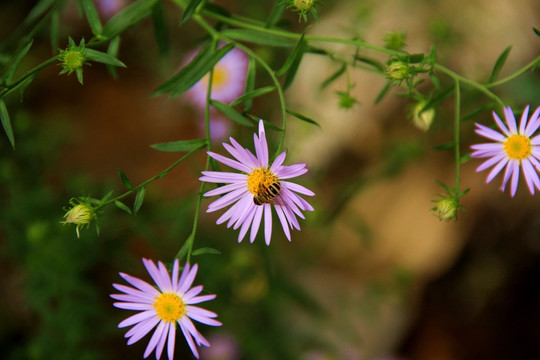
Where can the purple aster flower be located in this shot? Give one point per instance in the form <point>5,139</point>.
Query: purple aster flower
<point>228,80</point>
<point>108,8</point>
<point>257,189</point>
<point>513,148</point>
<point>171,303</point>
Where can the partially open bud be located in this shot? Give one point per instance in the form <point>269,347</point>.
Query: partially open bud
<point>446,209</point>
<point>303,7</point>
<point>420,116</point>
<point>73,59</point>
<point>394,40</point>
<point>304,4</point>
<point>80,214</point>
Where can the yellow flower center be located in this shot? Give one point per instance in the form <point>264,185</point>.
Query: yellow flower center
<point>169,307</point>
<point>260,179</point>
<point>220,76</point>
<point>518,147</point>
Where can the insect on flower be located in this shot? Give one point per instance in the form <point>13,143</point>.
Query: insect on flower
<point>267,194</point>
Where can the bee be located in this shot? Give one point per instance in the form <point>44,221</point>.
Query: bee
<point>268,194</point>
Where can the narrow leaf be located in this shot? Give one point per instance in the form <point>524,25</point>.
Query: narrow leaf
<point>161,33</point>
<point>114,47</point>
<point>6,123</point>
<point>106,197</point>
<point>250,83</point>
<point>184,249</point>
<point>98,56</point>
<point>190,10</point>
<point>499,64</point>
<point>416,58</point>
<point>303,117</point>
<point>139,200</point>
<point>257,37</point>
<point>205,60</point>
<point>125,180</point>
<point>334,76</point>
<point>181,145</point>
<point>383,92</point>
<point>297,52</point>
<point>122,206</point>
<point>253,94</point>
<point>465,158</point>
<point>205,250</point>
<point>478,111</point>
<point>55,20</point>
<point>11,70</point>
<point>536,31</point>
<point>38,10</point>
<point>276,13</point>
<point>128,17</point>
<point>293,68</point>
<point>92,16</point>
<point>432,103</point>
<point>230,113</point>
<point>445,146</point>
<point>435,80</point>
<point>371,62</point>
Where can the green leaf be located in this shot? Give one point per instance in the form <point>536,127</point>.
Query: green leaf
<point>6,123</point>
<point>125,180</point>
<point>230,113</point>
<point>128,17</point>
<point>92,16</point>
<point>478,111</point>
<point>302,117</point>
<point>181,145</point>
<point>112,50</point>
<point>383,92</point>
<point>205,250</point>
<point>445,146</point>
<point>465,158</point>
<point>435,80</point>
<point>297,52</point>
<point>161,33</point>
<point>38,10</point>
<point>184,249</point>
<point>203,62</point>
<point>334,76</point>
<point>499,64</point>
<point>98,56</point>
<point>139,200</point>
<point>536,31</point>
<point>55,20</point>
<point>253,94</point>
<point>250,83</point>
<point>371,62</point>
<point>276,13</point>
<point>293,68</point>
<point>122,206</point>
<point>416,58</point>
<point>190,10</point>
<point>432,103</point>
<point>11,70</point>
<point>257,37</point>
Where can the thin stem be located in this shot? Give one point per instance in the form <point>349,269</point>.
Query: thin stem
<point>457,123</point>
<point>28,75</point>
<point>158,176</point>
<point>532,64</point>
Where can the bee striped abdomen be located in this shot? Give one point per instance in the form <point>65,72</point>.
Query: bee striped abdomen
<point>268,194</point>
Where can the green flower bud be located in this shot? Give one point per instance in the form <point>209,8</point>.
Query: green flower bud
<point>394,40</point>
<point>446,209</point>
<point>80,215</point>
<point>304,4</point>
<point>422,118</point>
<point>397,71</point>
<point>73,59</point>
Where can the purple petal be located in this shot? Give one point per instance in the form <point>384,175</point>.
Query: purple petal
<point>256,223</point>
<point>183,277</point>
<point>230,162</point>
<point>297,188</point>
<point>171,341</point>
<point>186,284</point>
<point>162,339</point>
<point>225,189</point>
<point>267,223</point>
<point>490,162</point>
<point>143,327</point>
<point>176,270</point>
<point>523,121</point>
<point>278,161</point>
<point>515,177</point>
<point>162,280</point>
<point>199,339</point>
<point>228,199</point>
<point>133,306</point>
<point>188,338</point>
<point>510,120</point>
<point>203,316</point>
<point>501,124</point>
<point>194,291</point>
<point>140,284</point>
<point>496,169</point>
<point>133,319</point>
<point>489,133</point>
<point>222,177</point>
<point>155,339</point>
<point>241,155</point>
<point>199,299</point>
<point>137,293</point>
<point>283,220</point>
<point>292,171</point>
<point>531,176</point>
<point>132,298</point>
<point>534,123</point>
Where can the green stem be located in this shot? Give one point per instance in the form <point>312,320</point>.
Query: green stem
<point>158,176</point>
<point>530,65</point>
<point>27,75</point>
<point>457,123</point>
<point>471,83</point>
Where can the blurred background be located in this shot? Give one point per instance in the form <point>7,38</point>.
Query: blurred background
<point>372,275</point>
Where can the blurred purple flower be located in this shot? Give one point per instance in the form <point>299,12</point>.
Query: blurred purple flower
<point>171,303</point>
<point>224,347</point>
<point>109,8</point>
<point>254,191</point>
<point>513,148</point>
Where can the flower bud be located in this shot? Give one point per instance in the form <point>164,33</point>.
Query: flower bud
<point>421,117</point>
<point>446,209</point>
<point>397,71</point>
<point>80,215</point>
<point>394,40</point>
<point>304,4</point>
<point>73,59</point>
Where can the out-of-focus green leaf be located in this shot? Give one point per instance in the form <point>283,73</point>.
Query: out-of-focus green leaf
<point>122,206</point>
<point>252,94</point>
<point>445,146</point>
<point>190,10</point>
<point>334,76</point>
<point>112,50</point>
<point>230,113</point>
<point>128,17</point>
<point>205,60</point>
<point>383,92</point>
<point>258,38</point>
<point>435,80</point>
<point>38,10</point>
<point>536,31</point>
<point>125,180</point>
<point>98,56</point>
<point>276,13</point>
<point>478,111</point>
<point>250,83</point>
<point>371,62</point>
<point>294,64</point>
<point>205,250</point>
<point>433,102</point>
<point>302,117</point>
<point>92,16</point>
<point>160,28</point>
<point>499,64</point>
<point>6,123</point>
<point>465,158</point>
<point>181,145</point>
<point>11,70</point>
<point>416,58</point>
<point>54,30</point>
<point>139,200</point>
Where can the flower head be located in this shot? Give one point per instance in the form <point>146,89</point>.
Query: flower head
<point>514,148</point>
<point>421,116</point>
<point>397,71</point>
<point>73,58</point>
<point>81,214</point>
<point>228,80</point>
<point>257,189</point>
<point>164,307</point>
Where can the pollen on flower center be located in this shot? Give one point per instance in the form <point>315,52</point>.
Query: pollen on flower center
<point>169,307</point>
<point>518,147</point>
<point>260,179</point>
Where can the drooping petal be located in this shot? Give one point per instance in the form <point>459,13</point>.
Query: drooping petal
<point>496,169</point>
<point>229,162</point>
<point>155,339</point>
<point>133,319</point>
<point>171,341</point>
<point>489,133</point>
<point>523,121</point>
<point>267,223</point>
